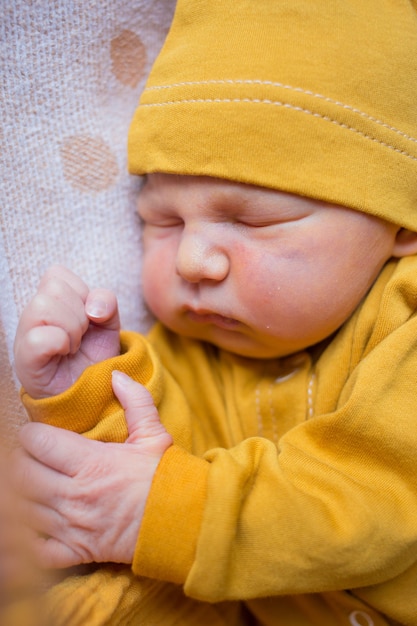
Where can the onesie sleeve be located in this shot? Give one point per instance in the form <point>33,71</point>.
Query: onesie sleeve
<point>90,408</point>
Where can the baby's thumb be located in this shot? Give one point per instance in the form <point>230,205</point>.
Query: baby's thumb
<point>142,418</point>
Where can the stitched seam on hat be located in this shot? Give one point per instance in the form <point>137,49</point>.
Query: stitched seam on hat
<point>307,92</point>
<point>285,105</point>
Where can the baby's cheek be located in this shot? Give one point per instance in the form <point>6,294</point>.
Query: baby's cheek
<point>255,277</point>
<point>154,282</point>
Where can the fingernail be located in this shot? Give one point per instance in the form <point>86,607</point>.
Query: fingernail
<point>121,378</point>
<point>96,308</point>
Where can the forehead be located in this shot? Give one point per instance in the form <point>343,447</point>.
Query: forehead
<point>206,192</point>
<point>216,187</point>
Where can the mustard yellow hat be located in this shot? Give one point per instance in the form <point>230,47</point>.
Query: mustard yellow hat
<point>314,97</point>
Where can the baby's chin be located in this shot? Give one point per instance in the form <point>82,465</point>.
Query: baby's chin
<point>236,343</point>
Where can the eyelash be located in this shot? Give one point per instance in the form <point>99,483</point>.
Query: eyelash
<point>162,223</point>
<point>256,225</point>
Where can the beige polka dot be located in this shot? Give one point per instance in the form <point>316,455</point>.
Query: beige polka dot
<point>128,55</point>
<point>89,164</point>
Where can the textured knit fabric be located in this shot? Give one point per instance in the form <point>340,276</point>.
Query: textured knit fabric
<point>313,97</point>
<point>289,480</point>
<point>71,74</point>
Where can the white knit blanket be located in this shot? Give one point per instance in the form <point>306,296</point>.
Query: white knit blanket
<point>70,78</point>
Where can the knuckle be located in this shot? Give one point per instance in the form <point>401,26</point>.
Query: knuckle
<point>82,549</point>
<point>54,287</point>
<point>93,471</point>
<point>40,309</point>
<point>44,439</point>
<point>33,341</point>
<point>39,304</point>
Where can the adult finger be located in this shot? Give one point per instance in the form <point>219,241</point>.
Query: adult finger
<point>59,449</point>
<point>35,481</point>
<point>51,553</point>
<point>143,422</point>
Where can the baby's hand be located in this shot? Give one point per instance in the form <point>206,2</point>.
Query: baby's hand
<point>64,329</point>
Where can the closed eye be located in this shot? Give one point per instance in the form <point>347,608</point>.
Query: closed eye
<point>158,218</point>
<point>268,222</point>
<point>165,223</point>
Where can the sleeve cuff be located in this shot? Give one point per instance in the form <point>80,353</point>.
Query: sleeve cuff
<point>89,407</point>
<point>168,537</point>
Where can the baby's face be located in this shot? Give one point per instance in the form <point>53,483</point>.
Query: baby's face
<point>254,271</point>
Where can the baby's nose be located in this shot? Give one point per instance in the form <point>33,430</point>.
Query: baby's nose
<point>199,257</point>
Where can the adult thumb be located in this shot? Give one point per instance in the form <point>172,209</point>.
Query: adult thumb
<point>142,418</point>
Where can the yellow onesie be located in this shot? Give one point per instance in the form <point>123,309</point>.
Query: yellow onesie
<point>289,480</point>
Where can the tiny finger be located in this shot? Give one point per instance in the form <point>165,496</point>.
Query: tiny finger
<point>62,273</point>
<point>41,343</point>
<point>101,307</point>
<point>57,306</point>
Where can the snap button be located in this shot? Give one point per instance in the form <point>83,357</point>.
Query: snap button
<point>290,365</point>
<point>359,618</point>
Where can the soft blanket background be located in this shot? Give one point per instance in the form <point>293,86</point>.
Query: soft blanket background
<point>70,77</point>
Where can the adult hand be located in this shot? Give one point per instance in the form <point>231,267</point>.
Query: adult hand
<point>86,498</point>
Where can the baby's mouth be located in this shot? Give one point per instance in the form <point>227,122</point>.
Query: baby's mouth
<point>215,319</point>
